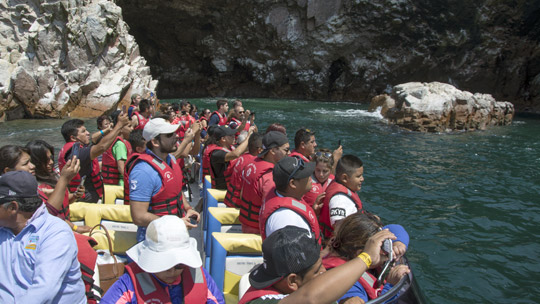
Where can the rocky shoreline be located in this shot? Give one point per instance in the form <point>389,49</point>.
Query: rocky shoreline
<point>81,58</point>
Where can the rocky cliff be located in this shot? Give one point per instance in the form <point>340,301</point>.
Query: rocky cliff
<point>339,49</point>
<point>68,57</point>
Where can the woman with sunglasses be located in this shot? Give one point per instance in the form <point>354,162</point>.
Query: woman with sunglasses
<point>350,239</point>
<point>320,179</point>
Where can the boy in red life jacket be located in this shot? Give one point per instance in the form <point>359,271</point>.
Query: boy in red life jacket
<point>221,156</point>
<point>143,115</point>
<point>341,199</point>
<point>166,268</point>
<point>155,179</point>
<point>285,206</point>
<point>77,143</point>
<point>234,186</point>
<point>114,159</point>
<point>292,271</point>
<point>219,117</point>
<point>257,179</point>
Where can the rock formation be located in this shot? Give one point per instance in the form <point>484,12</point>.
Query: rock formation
<point>339,49</point>
<point>440,107</point>
<point>68,57</point>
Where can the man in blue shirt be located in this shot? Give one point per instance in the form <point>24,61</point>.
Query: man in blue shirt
<point>155,179</point>
<point>38,252</point>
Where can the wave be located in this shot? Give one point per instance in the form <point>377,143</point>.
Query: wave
<point>349,113</point>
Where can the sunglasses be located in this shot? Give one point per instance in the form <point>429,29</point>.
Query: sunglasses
<point>178,267</point>
<point>323,154</point>
<point>241,112</point>
<point>298,165</point>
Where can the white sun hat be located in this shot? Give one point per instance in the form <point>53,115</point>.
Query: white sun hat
<point>158,126</point>
<point>167,244</point>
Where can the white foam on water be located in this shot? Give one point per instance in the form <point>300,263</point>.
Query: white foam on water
<point>350,113</point>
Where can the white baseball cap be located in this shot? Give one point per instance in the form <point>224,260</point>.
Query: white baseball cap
<point>167,244</point>
<point>158,126</point>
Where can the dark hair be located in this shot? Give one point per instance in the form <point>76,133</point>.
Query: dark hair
<point>220,103</point>
<point>38,153</point>
<point>101,119</point>
<point>302,136</point>
<point>193,109</point>
<point>204,111</point>
<point>71,128</point>
<point>136,139</point>
<point>276,127</point>
<point>26,204</point>
<point>144,105</point>
<point>114,117</point>
<point>353,233</point>
<point>236,103</point>
<point>10,156</point>
<point>329,161</point>
<point>348,164</point>
<point>255,142</point>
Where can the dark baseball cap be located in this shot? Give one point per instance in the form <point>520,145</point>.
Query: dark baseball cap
<point>222,131</point>
<point>271,140</point>
<point>18,184</point>
<point>292,167</point>
<point>288,250</point>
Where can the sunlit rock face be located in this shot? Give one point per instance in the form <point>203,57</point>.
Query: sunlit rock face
<point>67,58</point>
<point>440,107</point>
<point>339,49</point>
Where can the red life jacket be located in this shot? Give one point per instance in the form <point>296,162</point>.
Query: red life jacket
<point>109,165</point>
<point>316,189</point>
<point>238,123</point>
<point>250,202</point>
<point>95,174</point>
<point>222,118</point>
<point>368,281</point>
<point>213,148</point>
<point>87,257</point>
<point>169,197</point>
<point>63,213</point>
<point>300,207</point>
<point>185,121</point>
<point>335,188</point>
<point>252,294</point>
<point>296,154</point>
<point>206,158</point>
<point>234,185</point>
<point>149,290</point>
<point>142,121</point>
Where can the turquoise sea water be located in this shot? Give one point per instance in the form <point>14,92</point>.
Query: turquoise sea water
<point>470,201</point>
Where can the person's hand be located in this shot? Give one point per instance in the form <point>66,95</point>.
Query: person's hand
<point>80,192</point>
<point>336,155</point>
<point>352,300</point>
<point>123,119</point>
<point>252,129</point>
<point>317,205</point>
<point>374,244</point>
<point>187,219</point>
<point>71,168</point>
<point>196,127</point>
<point>396,273</point>
<point>83,229</point>
<point>399,249</point>
<point>189,134</point>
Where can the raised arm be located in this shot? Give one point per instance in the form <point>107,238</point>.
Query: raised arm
<point>108,140</point>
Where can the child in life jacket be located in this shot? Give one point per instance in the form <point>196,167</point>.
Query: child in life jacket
<point>341,199</point>
<point>321,177</point>
<point>350,239</point>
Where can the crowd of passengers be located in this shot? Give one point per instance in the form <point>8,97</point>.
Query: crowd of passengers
<point>319,244</point>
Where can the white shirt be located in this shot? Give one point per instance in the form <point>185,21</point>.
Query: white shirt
<point>285,217</point>
<point>341,206</point>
